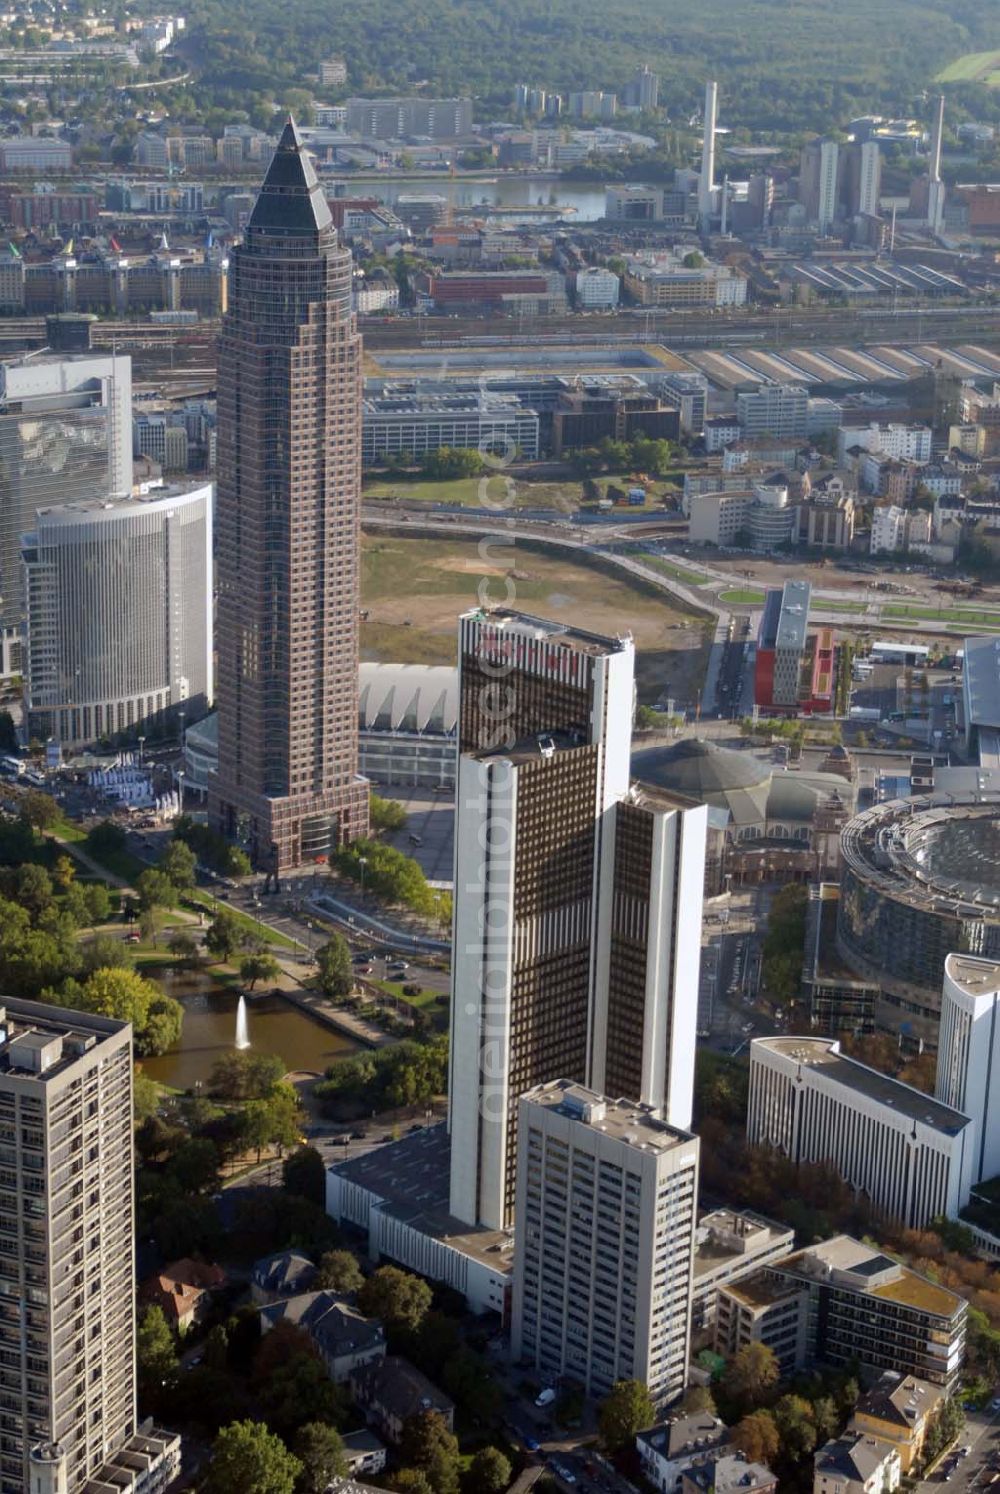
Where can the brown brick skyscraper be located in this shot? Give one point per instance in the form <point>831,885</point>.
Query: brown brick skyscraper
<point>288,518</point>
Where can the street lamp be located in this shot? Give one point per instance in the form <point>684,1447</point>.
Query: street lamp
<point>362,862</point>
<point>180,790</point>
<point>142,742</point>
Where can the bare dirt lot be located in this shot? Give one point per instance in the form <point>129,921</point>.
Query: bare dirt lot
<point>414,590</point>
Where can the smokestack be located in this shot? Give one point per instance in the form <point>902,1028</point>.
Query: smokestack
<point>708,154</point>
<point>935,167</point>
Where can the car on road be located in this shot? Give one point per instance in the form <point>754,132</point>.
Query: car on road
<point>342,1140</point>
<point>362,957</point>
<point>399,965</point>
<point>546,1398</point>
<point>530,1443</point>
<point>357,1135</point>
<point>995,1405</point>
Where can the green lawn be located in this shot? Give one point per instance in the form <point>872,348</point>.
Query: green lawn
<point>744,598</point>
<point>395,988</point>
<point>672,569</point>
<point>945,614</point>
<point>463,490</point>
<point>197,899</point>
<point>970,68</point>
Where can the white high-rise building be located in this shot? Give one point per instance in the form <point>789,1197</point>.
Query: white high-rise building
<point>577,903</point>
<point>707,179</point>
<point>968,1061</point>
<point>605,1235</point>
<point>119,613</point>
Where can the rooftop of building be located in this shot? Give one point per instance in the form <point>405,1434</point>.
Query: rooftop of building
<point>940,851</point>
<point>727,1235</point>
<point>794,617</point>
<point>850,1263</point>
<point>685,1434</point>
<point>291,200</point>
<point>732,1474</point>
<point>748,789</point>
<point>823,1055</point>
<point>901,1400</point>
<point>981,681</point>
<point>149,497</point>
<point>38,1041</point>
<point>976,977</point>
<point>854,1456</point>
<point>761,1290</point>
<point>559,635</point>
<point>330,1319</point>
<point>620,1120</point>
<point>412,1178</point>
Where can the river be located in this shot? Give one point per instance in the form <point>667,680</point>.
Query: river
<point>586,198</point>
<point>210,1030</point>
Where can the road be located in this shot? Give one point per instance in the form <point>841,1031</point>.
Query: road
<point>976,1471</point>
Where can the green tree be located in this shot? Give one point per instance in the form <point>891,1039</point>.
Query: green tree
<point>427,1444</point>
<point>178,865</point>
<point>626,1410</point>
<point>183,946</point>
<point>471,1385</point>
<point>255,967</point>
<point>145,1096</point>
<point>248,1459</point>
<point>156,1359</point>
<point>106,838</point>
<point>105,952</point>
<point>246,1075</point>
<point>304,1173</point>
<point>750,1375</point>
<point>321,1452</point>
<point>39,810</point>
<point>194,1166</point>
<point>411,1481</point>
<point>64,873</point>
<point>336,972</point>
<point>826,1418</point>
<point>31,887</point>
<point>339,1271</point>
<point>273,1121</point>
<point>756,1437</point>
<point>224,935</point>
<point>300,1391</point>
<point>489,1472</point>
<point>386,814</point>
<point>98,903</point>
<point>155,890</point>
<point>793,1416</point>
<point>396,1297</point>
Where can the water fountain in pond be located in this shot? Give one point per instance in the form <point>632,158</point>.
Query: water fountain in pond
<point>242,1028</point>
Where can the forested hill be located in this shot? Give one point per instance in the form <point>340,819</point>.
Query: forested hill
<point>783,64</point>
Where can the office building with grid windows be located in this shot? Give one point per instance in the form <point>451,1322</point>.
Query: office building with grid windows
<point>604,1245</point>
<point>67,1304</point>
<point>577,902</point>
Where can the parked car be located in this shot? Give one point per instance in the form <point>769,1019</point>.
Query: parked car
<point>546,1398</point>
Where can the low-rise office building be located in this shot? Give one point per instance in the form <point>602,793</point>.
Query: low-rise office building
<point>410,420</point>
<point>777,410</point>
<point>668,280</point>
<point>596,288</point>
<point>729,1246</point>
<point>843,1302</point>
<point>911,1155</point>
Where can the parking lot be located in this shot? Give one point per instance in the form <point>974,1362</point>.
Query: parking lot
<point>430,820</point>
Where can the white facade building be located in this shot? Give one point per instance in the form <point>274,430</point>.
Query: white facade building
<point>912,1155</point>
<point>416,419</point>
<point>119,613</point>
<point>968,1061</point>
<point>907,443</point>
<point>604,1241</point>
<point>888,528</point>
<point>597,289</point>
<point>779,410</point>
